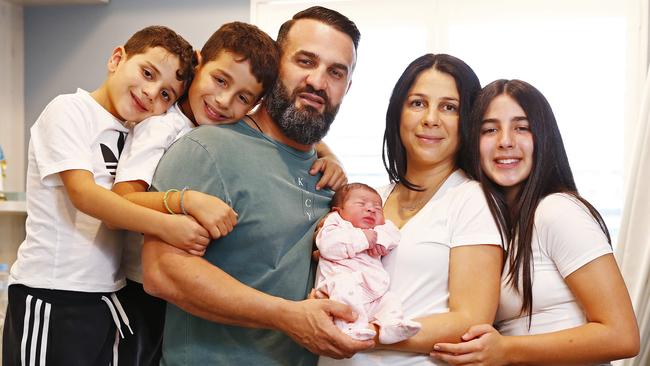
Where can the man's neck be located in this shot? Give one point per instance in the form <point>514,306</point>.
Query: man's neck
<point>271,129</point>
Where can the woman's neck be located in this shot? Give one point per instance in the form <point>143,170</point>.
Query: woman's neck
<point>427,177</point>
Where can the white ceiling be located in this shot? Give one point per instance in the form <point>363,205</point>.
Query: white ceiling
<point>57,2</point>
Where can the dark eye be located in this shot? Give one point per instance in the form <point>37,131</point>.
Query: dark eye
<point>523,128</point>
<point>488,130</point>
<point>449,107</point>
<point>147,74</point>
<point>220,81</point>
<point>337,74</point>
<point>243,99</point>
<point>305,62</point>
<point>417,103</point>
<point>165,95</point>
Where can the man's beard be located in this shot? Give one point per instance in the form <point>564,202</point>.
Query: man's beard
<point>303,125</point>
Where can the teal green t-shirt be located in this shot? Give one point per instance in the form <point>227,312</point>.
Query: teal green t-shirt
<point>269,186</point>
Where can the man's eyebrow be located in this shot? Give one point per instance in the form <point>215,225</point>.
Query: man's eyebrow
<point>336,65</point>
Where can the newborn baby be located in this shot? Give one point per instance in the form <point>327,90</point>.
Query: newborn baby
<point>351,241</point>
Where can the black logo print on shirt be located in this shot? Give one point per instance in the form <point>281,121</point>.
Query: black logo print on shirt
<point>109,158</point>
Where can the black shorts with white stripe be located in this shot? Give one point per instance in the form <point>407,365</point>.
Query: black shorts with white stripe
<point>147,318</point>
<point>57,327</point>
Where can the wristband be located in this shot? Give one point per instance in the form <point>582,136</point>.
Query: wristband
<point>165,200</point>
<point>181,199</point>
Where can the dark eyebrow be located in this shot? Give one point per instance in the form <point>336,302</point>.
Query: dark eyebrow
<point>496,120</point>
<point>312,55</point>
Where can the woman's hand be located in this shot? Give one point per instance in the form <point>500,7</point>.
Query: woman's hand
<point>482,345</point>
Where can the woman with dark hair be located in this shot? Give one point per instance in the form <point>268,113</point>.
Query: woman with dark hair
<point>447,267</point>
<point>563,299</point>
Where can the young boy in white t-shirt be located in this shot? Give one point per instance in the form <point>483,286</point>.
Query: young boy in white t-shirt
<point>237,65</point>
<point>62,308</point>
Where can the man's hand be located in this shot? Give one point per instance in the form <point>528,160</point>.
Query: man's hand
<point>211,212</point>
<point>333,174</point>
<point>309,323</point>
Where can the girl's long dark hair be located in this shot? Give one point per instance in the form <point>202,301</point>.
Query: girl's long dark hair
<point>468,85</point>
<point>550,174</point>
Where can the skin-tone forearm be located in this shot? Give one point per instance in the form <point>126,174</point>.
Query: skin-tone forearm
<point>238,302</point>
<point>611,331</point>
<point>136,192</point>
<point>211,212</point>
<point>610,334</point>
<point>200,288</point>
<point>474,280</point>
<point>96,201</point>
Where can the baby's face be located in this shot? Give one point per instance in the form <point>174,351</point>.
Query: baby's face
<point>363,209</point>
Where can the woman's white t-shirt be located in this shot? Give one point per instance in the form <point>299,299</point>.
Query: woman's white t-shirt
<point>565,238</point>
<point>456,215</point>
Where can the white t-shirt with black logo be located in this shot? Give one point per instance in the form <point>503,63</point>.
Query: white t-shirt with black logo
<point>64,248</point>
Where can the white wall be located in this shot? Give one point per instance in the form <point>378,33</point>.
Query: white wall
<point>11,94</point>
<point>67,46</point>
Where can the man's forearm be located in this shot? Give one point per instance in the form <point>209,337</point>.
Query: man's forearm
<point>202,289</point>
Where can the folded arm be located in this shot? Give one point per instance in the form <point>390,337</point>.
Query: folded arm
<point>200,288</point>
<point>474,280</point>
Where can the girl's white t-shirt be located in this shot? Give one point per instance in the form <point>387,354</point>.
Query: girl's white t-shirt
<point>565,238</point>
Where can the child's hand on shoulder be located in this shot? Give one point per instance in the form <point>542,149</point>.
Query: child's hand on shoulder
<point>213,214</point>
<point>333,174</point>
<point>186,234</point>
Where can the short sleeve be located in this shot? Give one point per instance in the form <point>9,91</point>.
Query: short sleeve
<point>471,222</point>
<point>143,149</point>
<point>60,140</point>
<point>188,164</point>
<point>568,233</point>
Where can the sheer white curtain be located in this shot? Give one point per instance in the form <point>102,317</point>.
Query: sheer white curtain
<point>633,252</point>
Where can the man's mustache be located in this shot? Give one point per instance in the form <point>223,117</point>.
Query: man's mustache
<point>310,89</point>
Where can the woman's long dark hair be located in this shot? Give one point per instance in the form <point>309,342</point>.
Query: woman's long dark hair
<point>550,173</point>
<point>468,85</point>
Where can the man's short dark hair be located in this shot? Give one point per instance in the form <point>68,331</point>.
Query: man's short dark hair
<point>330,17</point>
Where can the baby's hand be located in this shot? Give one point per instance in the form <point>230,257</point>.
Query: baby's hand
<point>377,250</point>
<point>371,236</point>
<point>333,175</point>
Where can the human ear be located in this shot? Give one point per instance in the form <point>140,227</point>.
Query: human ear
<point>199,59</point>
<point>117,56</point>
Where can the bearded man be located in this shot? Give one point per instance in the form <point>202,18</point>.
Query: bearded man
<point>242,303</point>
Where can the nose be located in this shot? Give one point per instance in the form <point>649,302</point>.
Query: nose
<point>151,90</point>
<point>505,139</point>
<point>224,99</point>
<point>431,118</point>
<point>370,209</point>
<point>317,79</point>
